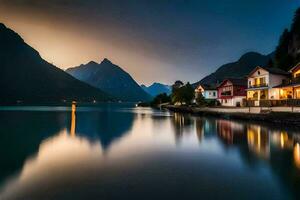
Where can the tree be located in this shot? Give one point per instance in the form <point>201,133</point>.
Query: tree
<point>161,98</point>
<point>283,59</point>
<point>183,94</point>
<point>287,51</point>
<point>270,63</point>
<point>176,95</point>
<point>295,28</point>
<point>200,100</point>
<point>188,93</point>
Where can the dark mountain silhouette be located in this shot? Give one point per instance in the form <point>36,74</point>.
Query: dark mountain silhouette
<point>111,79</point>
<point>156,89</point>
<point>26,77</point>
<point>22,133</point>
<point>238,69</point>
<point>287,53</point>
<point>113,125</point>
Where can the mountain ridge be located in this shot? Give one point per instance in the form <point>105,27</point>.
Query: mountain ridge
<point>26,77</point>
<point>238,69</point>
<point>110,78</point>
<point>157,88</point>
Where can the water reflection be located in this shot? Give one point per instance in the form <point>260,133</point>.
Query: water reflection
<point>258,140</point>
<point>130,153</point>
<point>182,124</point>
<point>297,155</point>
<point>21,134</point>
<point>231,132</point>
<point>73,120</point>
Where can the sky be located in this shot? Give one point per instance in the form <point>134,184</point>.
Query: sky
<point>153,40</point>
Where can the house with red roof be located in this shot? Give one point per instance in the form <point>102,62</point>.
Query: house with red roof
<point>232,92</point>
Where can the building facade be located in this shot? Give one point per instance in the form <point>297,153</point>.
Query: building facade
<point>232,92</point>
<point>262,84</point>
<point>290,87</point>
<point>209,92</point>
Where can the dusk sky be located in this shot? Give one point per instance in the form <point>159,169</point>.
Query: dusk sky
<point>153,40</point>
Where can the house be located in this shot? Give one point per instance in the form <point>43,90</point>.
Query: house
<point>209,92</point>
<point>290,87</point>
<point>232,92</point>
<point>262,82</point>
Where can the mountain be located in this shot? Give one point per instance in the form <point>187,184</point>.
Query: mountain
<point>111,79</point>
<point>238,69</point>
<point>26,77</point>
<point>287,53</point>
<point>156,89</point>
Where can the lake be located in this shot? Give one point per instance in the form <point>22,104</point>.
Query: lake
<point>118,151</point>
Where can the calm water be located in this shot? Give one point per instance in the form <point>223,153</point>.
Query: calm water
<point>122,152</point>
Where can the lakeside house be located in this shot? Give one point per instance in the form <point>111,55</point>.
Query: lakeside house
<point>264,87</point>
<point>209,92</point>
<point>262,84</point>
<point>290,87</point>
<point>232,92</point>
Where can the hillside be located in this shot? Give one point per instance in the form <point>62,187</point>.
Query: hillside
<point>237,69</point>
<point>156,89</point>
<point>26,77</point>
<point>111,79</point>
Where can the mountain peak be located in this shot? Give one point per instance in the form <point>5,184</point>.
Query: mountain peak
<point>157,88</point>
<point>2,25</point>
<point>240,68</point>
<point>105,60</point>
<point>250,55</point>
<point>8,36</point>
<point>112,79</point>
<point>92,63</point>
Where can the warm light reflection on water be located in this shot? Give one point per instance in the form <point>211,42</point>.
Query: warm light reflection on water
<point>73,120</point>
<point>115,153</point>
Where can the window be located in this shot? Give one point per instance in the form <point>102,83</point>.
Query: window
<point>258,72</point>
<point>262,80</point>
<point>249,83</point>
<point>256,80</point>
<point>214,93</point>
<point>209,93</point>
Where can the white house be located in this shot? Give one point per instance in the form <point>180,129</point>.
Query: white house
<point>261,82</point>
<point>209,92</point>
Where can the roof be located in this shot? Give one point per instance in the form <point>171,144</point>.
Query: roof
<point>295,67</point>
<point>208,86</point>
<point>272,70</point>
<point>235,81</point>
<point>275,70</point>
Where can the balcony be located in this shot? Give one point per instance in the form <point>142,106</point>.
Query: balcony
<point>226,93</point>
<point>293,80</point>
<point>258,85</point>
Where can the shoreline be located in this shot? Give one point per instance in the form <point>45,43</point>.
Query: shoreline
<point>282,118</point>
